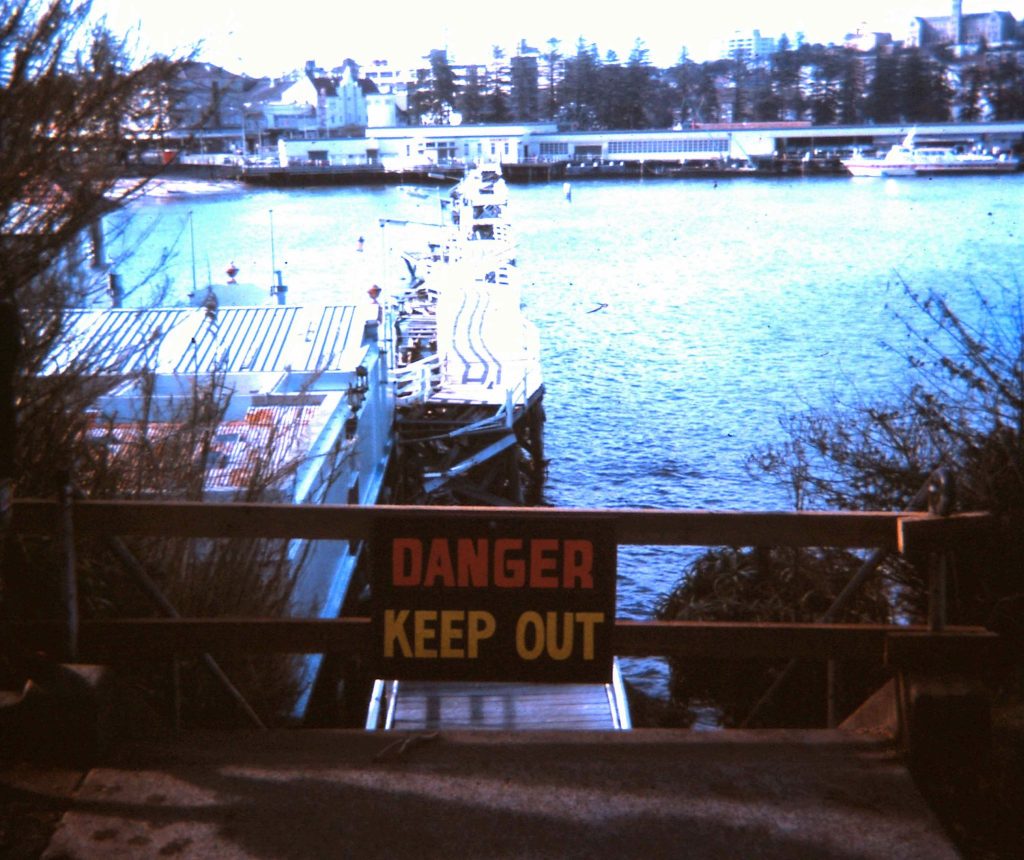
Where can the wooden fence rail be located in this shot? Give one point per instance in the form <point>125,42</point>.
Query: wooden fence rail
<point>904,532</point>
<point>101,641</point>
<point>850,530</point>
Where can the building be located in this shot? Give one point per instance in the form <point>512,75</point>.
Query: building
<point>748,46</point>
<point>992,29</point>
<point>340,98</point>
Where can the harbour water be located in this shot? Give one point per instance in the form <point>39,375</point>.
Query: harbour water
<point>680,320</point>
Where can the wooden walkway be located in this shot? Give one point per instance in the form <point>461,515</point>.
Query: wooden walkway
<point>432,705</point>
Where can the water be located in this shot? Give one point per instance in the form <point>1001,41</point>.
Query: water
<point>679,319</point>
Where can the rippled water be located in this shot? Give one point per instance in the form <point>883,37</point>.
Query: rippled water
<point>679,319</point>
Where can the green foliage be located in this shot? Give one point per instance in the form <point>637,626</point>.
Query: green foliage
<point>773,585</point>
<point>961,408</point>
<point>824,84</point>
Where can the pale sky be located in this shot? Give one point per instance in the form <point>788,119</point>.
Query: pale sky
<point>274,38</point>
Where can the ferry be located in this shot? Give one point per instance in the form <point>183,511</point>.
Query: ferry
<point>909,159</point>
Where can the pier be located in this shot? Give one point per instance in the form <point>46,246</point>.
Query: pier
<point>466,361</point>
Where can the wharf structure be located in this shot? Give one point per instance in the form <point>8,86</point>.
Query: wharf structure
<point>431,394</point>
<point>540,152</point>
<point>469,422</point>
<point>299,412</point>
<point>468,383</point>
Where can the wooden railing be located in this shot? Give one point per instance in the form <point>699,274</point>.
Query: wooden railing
<point>914,647</point>
<point>903,532</point>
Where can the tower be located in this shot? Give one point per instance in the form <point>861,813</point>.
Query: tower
<point>956,22</point>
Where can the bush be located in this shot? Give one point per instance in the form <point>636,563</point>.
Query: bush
<point>962,409</point>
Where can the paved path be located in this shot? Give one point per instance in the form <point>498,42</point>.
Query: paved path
<point>648,793</point>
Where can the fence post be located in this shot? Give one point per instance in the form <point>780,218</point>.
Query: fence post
<point>69,581</point>
<point>941,496</point>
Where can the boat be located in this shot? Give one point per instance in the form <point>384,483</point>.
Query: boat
<point>909,159</point>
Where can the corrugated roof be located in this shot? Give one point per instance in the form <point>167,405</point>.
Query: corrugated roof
<point>256,339</point>
<point>120,340</point>
<point>237,340</point>
<point>329,338</point>
<point>268,440</point>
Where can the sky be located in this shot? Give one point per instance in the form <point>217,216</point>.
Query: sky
<point>274,38</point>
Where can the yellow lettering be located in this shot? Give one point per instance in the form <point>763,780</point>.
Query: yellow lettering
<point>394,632</point>
<point>588,620</point>
<point>559,650</point>
<point>481,626</point>
<point>422,634</point>
<point>527,621</point>
<point>452,632</point>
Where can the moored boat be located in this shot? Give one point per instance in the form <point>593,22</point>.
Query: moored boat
<point>909,159</point>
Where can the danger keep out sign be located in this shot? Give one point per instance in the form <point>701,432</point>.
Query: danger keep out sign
<point>498,600</point>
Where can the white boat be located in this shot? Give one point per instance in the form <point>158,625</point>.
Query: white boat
<point>909,159</point>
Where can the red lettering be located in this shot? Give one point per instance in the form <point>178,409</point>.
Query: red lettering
<point>406,561</point>
<point>578,564</point>
<point>471,563</point>
<point>543,563</point>
<point>508,572</point>
<point>439,564</point>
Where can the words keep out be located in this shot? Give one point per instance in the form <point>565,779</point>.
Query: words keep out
<point>462,634</point>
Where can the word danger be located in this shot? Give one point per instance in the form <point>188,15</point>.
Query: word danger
<point>459,634</point>
<point>492,562</point>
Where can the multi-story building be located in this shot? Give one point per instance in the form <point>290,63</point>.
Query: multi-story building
<point>993,29</point>
<point>748,46</point>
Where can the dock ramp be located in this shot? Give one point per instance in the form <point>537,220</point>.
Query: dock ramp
<point>430,705</point>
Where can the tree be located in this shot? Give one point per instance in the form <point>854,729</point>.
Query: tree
<point>968,100</point>
<point>471,99</point>
<point>1004,88</point>
<point>922,90</point>
<point>525,90</point>
<point>72,110</point>
<point>75,108</point>
<point>580,91</point>
<point>495,107</point>
<point>785,81</point>
<point>882,101</point>
<point>436,92</point>
<point>695,91</point>
<point>553,60</point>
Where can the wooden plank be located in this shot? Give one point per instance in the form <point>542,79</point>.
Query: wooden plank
<point>746,640</point>
<point>632,527</point>
<point>166,636</point>
<point>973,652</point>
<point>162,637</point>
<point>935,533</point>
